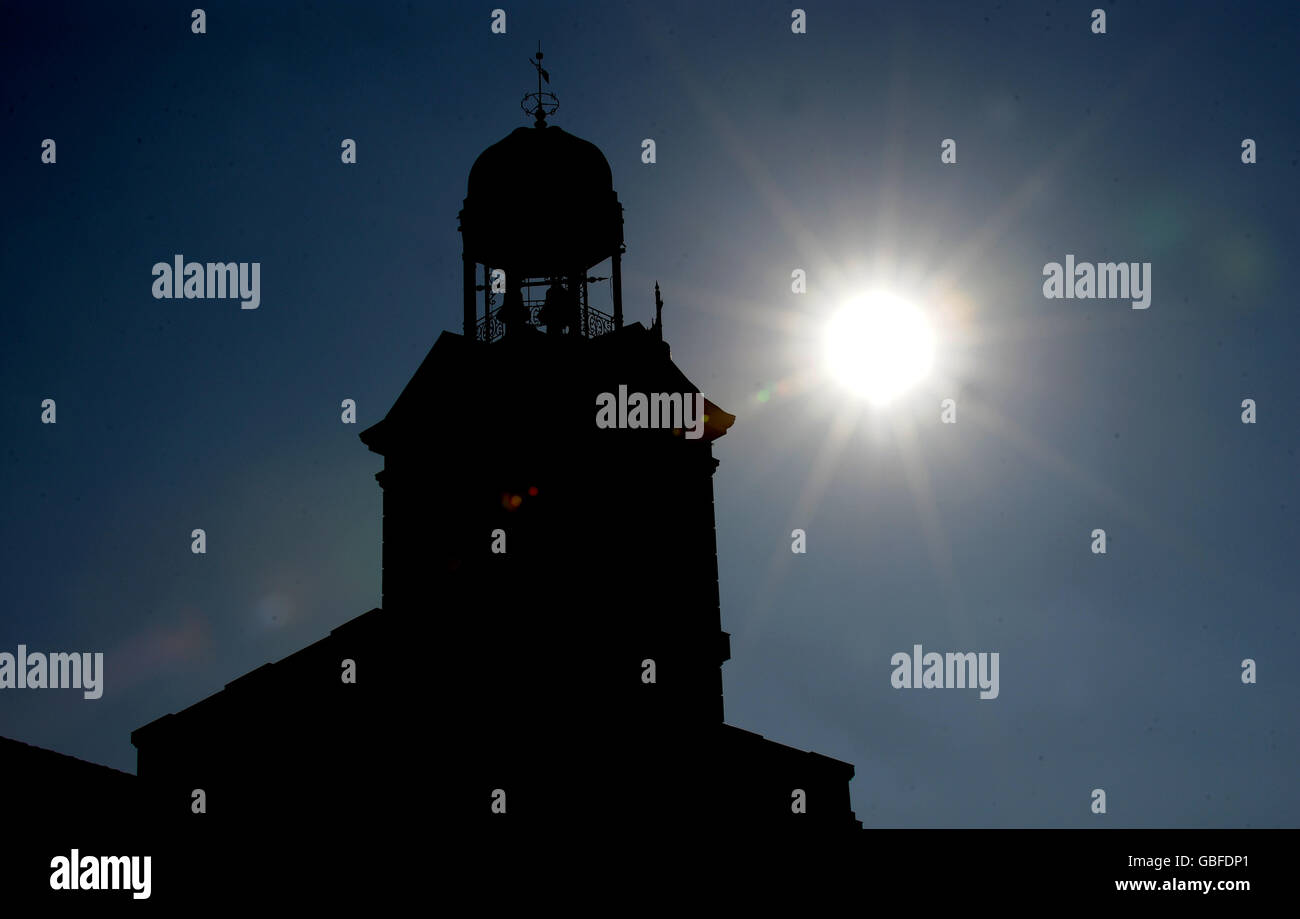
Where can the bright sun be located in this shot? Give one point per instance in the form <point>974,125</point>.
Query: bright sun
<point>879,345</point>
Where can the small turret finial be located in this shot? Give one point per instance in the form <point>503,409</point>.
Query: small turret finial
<point>659,312</point>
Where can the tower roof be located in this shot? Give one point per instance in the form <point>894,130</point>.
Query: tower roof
<point>533,385</point>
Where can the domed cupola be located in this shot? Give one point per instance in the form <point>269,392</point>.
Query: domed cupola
<point>539,214</point>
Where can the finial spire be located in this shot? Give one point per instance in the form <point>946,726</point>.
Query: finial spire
<point>540,104</point>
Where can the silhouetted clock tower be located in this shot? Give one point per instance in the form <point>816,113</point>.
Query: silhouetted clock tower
<point>547,658</point>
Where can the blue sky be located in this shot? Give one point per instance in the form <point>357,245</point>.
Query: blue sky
<point>775,151</point>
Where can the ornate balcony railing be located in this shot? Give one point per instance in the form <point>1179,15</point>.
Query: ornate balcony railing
<point>592,322</point>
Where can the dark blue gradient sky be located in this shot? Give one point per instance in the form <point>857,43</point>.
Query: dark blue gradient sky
<point>775,152</point>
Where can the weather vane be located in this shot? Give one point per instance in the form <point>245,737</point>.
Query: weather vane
<point>540,104</point>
